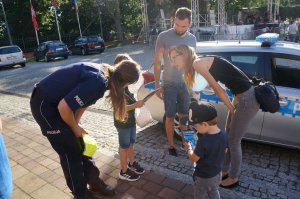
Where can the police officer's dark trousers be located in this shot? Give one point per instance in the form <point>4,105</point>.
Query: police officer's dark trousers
<point>78,169</point>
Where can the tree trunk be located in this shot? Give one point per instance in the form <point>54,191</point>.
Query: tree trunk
<point>117,19</point>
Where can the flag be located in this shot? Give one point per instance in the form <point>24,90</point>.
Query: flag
<point>54,4</point>
<point>76,6</point>
<point>33,17</point>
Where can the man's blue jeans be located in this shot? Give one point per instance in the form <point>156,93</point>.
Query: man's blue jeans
<point>5,173</point>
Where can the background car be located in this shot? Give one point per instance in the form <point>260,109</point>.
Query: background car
<point>51,49</point>
<point>11,55</point>
<point>279,63</point>
<point>85,45</point>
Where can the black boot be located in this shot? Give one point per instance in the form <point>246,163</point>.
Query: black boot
<point>103,189</point>
<point>88,195</point>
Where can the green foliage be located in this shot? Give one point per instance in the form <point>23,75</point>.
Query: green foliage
<point>126,21</point>
<point>131,17</point>
<point>290,12</point>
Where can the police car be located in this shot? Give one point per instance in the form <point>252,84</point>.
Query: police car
<point>275,61</point>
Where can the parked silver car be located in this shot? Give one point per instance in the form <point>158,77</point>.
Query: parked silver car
<point>11,55</point>
<point>279,63</point>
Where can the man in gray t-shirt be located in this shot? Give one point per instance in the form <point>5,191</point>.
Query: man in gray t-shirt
<point>175,94</point>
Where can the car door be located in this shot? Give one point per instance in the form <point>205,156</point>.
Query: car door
<point>252,63</point>
<point>283,127</point>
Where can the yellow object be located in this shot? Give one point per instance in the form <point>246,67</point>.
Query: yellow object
<point>90,145</point>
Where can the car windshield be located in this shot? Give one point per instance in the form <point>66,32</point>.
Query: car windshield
<point>83,39</point>
<point>9,50</point>
<point>94,39</point>
<point>56,44</point>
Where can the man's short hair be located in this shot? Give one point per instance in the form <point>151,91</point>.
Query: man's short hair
<point>183,13</point>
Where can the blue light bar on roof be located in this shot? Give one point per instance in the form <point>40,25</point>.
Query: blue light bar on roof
<point>270,38</point>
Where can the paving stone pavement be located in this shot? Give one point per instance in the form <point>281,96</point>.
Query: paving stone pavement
<point>267,171</point>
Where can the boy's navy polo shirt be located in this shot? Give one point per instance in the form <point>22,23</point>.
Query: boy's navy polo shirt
<point>80,84</point>
<point>211,150</point>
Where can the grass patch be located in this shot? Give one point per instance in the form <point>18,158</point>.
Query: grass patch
<point>31,59</point>
<point>114,44</point>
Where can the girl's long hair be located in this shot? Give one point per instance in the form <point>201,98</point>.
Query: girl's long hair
<point>127,71</point>
<point>188,70</point>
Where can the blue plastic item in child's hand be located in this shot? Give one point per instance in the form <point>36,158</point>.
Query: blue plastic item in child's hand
<point>191,137</point>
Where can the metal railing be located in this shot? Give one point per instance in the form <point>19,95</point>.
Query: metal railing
<point>250,35</point>
<point>28,44</point>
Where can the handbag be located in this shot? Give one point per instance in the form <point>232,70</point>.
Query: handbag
<point>142,116</point>
<point>266,95</point>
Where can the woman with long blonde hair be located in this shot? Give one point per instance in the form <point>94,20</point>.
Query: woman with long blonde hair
<point>240,111</point>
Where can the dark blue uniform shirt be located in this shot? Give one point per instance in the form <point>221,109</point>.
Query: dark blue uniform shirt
<point>211,150</point>
<point>80,84</point>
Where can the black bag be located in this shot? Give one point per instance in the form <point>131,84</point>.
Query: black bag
<point>266,95</point>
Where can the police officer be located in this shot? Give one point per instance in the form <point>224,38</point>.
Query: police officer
<point>57,104</point>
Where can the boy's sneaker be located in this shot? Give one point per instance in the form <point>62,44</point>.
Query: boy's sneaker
<point>135,167</point>
<point>172,151</point>
<point>129,175</point>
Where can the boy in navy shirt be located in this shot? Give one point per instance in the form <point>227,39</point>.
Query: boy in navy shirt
<point>209,151</point>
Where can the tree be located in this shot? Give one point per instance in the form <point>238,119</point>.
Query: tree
<point>113,8</point>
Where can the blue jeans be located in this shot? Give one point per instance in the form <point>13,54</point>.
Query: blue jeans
<point>5,173</point>
<point>127,136</point>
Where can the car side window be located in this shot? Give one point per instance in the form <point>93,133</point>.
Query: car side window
<point>286,71</point>
<point>93,39</point>
<point>250,63</point>
<point>247,63</point>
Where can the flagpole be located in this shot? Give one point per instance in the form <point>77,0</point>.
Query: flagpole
<point>78,22</point>
<point>57,24</point>
<point>37,38</point>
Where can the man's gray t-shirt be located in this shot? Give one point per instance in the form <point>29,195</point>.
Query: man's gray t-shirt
<point>166,40</point>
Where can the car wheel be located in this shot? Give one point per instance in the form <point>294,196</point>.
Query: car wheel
<point>23,64</point>
<point>46,58</point>
<point>176,127</point>
<point>83,51</point>
<point>66,57</point>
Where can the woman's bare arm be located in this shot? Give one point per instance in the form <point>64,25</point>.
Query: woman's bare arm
<point>202,66</point>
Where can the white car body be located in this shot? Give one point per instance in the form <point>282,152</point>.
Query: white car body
<point>11,55</point>
<point>279,63</point>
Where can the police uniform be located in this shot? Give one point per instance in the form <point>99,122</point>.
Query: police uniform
<point>80,85</point>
